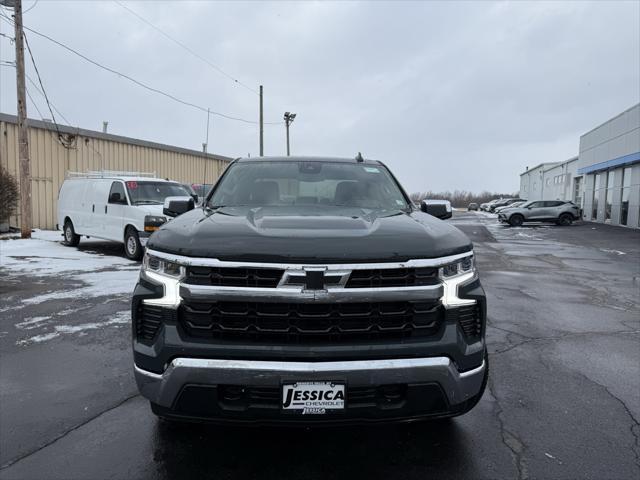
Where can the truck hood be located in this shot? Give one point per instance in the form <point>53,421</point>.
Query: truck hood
<point>309,235</point>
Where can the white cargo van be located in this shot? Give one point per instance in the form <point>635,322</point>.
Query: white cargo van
<point>125,207</point>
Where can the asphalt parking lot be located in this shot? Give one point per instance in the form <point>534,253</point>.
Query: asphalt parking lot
<point>563,399</point>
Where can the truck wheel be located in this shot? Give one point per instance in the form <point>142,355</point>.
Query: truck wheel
<point>565,220</point>
<point>132,247</point>
<point>516,220</point>
<point>70,237</point>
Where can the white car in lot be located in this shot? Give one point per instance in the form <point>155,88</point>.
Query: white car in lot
<point>125,208</point>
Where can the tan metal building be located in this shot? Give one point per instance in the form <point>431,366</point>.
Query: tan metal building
<point>54,152</point>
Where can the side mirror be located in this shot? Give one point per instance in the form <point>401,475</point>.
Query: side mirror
<point>195,197</point>
<point>116,198</point>
<point>437,208</point>
<point>174,206</point>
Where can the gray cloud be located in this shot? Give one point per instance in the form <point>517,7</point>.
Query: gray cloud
<point>450,95</point>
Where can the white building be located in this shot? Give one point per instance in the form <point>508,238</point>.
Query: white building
<point>610,162</point>
<point>604,179</point>
<point>552,181</point>
<point>532,181</point>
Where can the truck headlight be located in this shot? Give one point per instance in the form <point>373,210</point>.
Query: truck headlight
<point>153,222</point>
<point>454,275</point>
<point>459,267</point>
<point>151,263</point>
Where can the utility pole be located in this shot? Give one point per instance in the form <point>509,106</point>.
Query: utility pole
<point>261,126</point>
<point>23,128</point>
<point>288,120</point>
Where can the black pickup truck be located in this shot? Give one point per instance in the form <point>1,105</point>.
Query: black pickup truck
<point>308,290</point>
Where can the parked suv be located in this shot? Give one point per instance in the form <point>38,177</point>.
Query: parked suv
<point>511,205</point>
<point>309,290</point>
<point>485,206</point>
<point>562,213</point>
<point>114,206</point>
<point>503,203</point>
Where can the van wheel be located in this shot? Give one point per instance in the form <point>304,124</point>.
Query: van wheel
<point>516,220</point>
<point>70,237</point>
<point>565,220</point>
<point>132,247</point>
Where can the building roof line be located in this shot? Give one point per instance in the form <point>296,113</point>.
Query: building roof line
<point>538,166</point>
<point>612,118</point>
<point>7,118</point>
<point>551,165</point>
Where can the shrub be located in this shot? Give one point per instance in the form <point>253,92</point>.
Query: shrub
<point>8,195</point>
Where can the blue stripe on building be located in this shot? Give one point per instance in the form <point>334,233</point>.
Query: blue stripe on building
<point>616,162</point>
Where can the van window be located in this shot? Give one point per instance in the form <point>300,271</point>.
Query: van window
<point>154,192</point>
<point>116,194</point>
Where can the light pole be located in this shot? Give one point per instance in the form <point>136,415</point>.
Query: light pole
<point>288,120</point>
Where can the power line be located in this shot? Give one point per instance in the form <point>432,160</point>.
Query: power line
<point>51,103</point>
<point>44,92</point>
<point>137,82</point>
<point>34,103</point>
<point>7,63</point>
<point>31,7</point>
<point>179,43</point>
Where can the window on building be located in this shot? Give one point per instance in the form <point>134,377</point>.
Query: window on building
<point>624,196</point>
<point>608,197</point>
<point>548,181</point>
<point>577,191</point>
<point>596,194</point>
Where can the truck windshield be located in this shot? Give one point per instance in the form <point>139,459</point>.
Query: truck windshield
<point>154,192</point>
<point>330,184</point>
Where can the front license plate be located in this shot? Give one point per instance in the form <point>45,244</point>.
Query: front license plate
<point>313,398</point>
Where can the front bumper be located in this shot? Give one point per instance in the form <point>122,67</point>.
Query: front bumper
<point>432,387</point>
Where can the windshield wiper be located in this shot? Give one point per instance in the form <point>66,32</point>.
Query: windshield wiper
<point>150,202</point>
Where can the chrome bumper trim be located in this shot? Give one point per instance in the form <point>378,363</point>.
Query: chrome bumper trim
<point>164,388</point>
<point>214,262</point>
<point>299,295</point>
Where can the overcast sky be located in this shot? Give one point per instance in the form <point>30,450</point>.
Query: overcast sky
<point>450,95</point>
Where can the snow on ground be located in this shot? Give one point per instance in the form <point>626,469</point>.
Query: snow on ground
<point>119,318</point>
<point>118,282</point>
<point>486,214</point>
<point>44,254</point>
<point>66,273</point>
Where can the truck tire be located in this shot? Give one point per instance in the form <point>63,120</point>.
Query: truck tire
<point>516,220</point>
<point>132,246</point>
<point>70,237</point>
<point>565,220</point>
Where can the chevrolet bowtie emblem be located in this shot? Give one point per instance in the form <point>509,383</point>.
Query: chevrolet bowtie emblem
<point>314,279</point>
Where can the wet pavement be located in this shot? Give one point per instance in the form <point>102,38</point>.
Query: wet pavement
<point>563,399</point>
